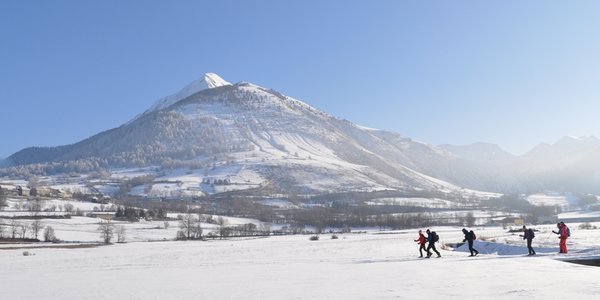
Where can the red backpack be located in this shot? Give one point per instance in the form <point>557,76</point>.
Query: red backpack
<point>473,235</point>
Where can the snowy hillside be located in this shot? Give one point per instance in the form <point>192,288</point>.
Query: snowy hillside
<point>481,152</point>
<point>562,154</point>
<point>244,136</point>
<point>570,164</point>
<point>209,81</point>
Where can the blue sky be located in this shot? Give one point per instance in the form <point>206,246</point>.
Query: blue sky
<point>514,73</point>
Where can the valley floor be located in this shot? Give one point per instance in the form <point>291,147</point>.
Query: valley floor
<point>355,266</point>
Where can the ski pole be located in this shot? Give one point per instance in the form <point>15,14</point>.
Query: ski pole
<point>546,239</point>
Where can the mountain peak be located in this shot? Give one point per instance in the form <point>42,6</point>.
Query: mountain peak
<point>578,140</point>
<point>208,81</point>
<point>480,151</point>
<point>213,80</point>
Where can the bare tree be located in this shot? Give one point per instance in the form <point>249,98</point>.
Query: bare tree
<point>36,226</point>
<point>23,228</point>
<point>106,230</point>
<point>224,231</point>
<point>470,219</point>
<point>190,227</point>
<point>14,227</point>
<point>185,226</point>
<point>166,224</point>
<point>33,182</point>
<point>49,234</point>
<point>35,206</point>
<point>265,228</point>
<point>319,226</point>
<point>198,230</point>
<point>121,234</point>
<point>3,199</point>
<point>68,207</point>
<point>2,227</point>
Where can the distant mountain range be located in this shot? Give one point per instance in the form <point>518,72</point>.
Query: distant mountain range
<point>251,134</point>
<point>572,164</point>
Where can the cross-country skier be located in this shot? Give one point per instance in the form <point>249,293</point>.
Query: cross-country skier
<point>432,238</point>
<point>528,235</point>
<point>469,238</point>
<point>563,234</point>
<point>421,241</point>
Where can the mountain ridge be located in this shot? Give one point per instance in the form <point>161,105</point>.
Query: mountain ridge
<point>285,142</point>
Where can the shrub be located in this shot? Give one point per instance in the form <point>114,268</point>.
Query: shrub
<point>314,238</point>
<point>49,234</point>
<point>334,237</point>
<point>587,226</point>
<point>180,236</point>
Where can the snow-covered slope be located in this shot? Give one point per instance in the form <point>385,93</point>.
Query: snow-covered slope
<point>208,81</point>
<point>571,164</point>
<point>564,153</point>
<point>219,130</point>
<point>481,152</point>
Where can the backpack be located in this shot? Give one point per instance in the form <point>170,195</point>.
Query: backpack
<point>530,233</point>
<point>434,237</point>
<point>568,231</point>
<point>473,235</point>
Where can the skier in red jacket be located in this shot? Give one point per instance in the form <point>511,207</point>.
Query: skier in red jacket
<point>563,234</point>
<point>421,241</point>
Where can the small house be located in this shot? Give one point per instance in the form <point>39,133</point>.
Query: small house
<point>512,221</point>
<point>22,191</point>
<point>105,215</point>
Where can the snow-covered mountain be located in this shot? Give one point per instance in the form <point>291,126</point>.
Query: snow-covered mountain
<point>254,138</point>
<point>208,81</point>
<point>481,152</point>
<point>563,153</point>
<point>570,164</point>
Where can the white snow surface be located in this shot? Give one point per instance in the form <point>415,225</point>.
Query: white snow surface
<point>355,266</point>
<point>551,200</point>
<point>208,81</point>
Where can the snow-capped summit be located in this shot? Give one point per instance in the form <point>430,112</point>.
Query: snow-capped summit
<point>208,81</point>
<point>567,146</point>
<point>481,152</point>
<point>212,126</point>
<point>213,80</point>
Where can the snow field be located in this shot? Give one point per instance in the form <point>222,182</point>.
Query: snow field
<point>355,266</point>
<point>550,200</point>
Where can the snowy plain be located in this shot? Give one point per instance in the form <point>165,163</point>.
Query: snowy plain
<point>372,265</point>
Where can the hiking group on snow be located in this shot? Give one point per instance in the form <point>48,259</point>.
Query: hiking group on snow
<point>431,239</point>
<point>528,234</point>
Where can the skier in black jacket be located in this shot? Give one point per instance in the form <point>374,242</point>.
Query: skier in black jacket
<point>470,237</point>
<point>528,235</point>
<point>432,238</point>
